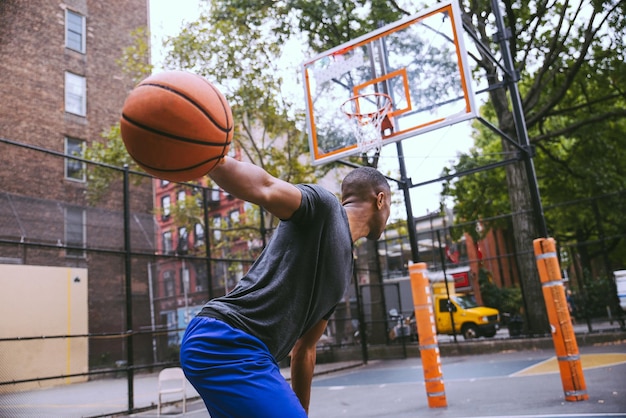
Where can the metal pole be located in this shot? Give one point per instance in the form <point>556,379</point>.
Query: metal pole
<point>360,314</point>
<point>404,182</point>
<point>511,80</point>
<point>152,320</point>
<point>402,324</point>
<point>207,241</point>
<point>445,281</point>
<point>405,186</point>
<point>128,288</point>
<point>185,276</point>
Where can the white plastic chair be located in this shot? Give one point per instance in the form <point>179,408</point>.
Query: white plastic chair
<point>171,380</point>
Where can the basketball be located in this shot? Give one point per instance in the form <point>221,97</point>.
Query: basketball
<point>176,125</point>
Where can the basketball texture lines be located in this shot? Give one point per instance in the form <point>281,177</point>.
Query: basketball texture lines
<point>176,125</point>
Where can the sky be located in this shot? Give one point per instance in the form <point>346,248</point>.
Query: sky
<point>425,155</point>
<point>167,17</point>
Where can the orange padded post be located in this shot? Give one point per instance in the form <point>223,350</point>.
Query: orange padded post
<point>429,349</point>
<point>563,335</point>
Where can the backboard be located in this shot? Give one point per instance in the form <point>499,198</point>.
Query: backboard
<point>419,61</point>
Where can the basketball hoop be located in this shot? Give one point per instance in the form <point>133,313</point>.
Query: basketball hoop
<point>366,113</point>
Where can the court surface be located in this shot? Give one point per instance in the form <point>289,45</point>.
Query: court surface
<point>505,384</point>
<point>511,384</point>
<point>519,384</point>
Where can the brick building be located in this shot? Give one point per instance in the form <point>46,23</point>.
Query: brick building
<point>61,89</point>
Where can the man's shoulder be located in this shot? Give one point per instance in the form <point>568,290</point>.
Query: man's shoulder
<point>316,201</point>
<point>317,191</point>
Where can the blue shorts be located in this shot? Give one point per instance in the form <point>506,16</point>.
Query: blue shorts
<point>234,372</point>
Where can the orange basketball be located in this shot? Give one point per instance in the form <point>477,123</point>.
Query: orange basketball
<point>176,125</point>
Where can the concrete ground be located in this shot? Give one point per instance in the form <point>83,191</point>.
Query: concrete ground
<point>518,378</point>
<point>516,384</point>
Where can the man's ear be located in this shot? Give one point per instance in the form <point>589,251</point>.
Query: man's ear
<point>380,200</point>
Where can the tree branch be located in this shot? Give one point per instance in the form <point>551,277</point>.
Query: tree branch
<point>590,34</point>
<point>577,125</point>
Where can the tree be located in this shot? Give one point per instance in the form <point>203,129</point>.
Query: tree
<point>569,56</point>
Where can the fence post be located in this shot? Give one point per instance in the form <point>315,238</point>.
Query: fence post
<point>130,363</point>
<point>207,241</point>
<point>429,349</point>
<point>563,335</point>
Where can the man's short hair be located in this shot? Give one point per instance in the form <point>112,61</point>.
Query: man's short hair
<point>364,181</point>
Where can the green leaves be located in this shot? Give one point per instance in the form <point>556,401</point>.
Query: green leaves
<point>112,153</point>
<point>573,89</point>
<point>135,60</point>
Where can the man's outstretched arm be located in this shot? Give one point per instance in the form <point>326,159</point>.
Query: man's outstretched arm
<point>253,184</point>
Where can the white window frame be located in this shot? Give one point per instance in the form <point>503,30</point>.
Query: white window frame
<point>75,94</point>
<point>198,230</point>
<point>169,283</point>
<point>71,30</point>
<point>168,243</point>
<point>183,240</point>
<point>217,225</point>
<point>166,205</point>
<point>181,196</point>
<point>70,161</point>
<point>214,195</point>
<point>233,218</point>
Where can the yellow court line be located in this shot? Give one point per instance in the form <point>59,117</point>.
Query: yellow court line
<point>68,343</point>
<point>589,361</point>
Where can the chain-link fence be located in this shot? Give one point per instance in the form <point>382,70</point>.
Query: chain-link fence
<point>101,283</point>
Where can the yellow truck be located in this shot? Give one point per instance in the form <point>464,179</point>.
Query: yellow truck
<point>470,320</point>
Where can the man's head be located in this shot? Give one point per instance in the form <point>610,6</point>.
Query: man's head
<point>367,186</point>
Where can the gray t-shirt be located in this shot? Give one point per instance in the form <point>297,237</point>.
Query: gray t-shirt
<point>298,279</point>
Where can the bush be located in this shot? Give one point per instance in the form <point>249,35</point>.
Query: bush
<point>596,295</point>
<point>507,300</point>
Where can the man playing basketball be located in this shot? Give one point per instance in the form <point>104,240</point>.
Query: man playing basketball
<point>230,351</point>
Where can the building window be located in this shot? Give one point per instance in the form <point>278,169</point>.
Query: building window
<point>75,94</point>
<point>217,228</point>
<point>171,319</point>
<point>180,198</point>
<point>167,242</point>
<point>74,31</point>
<point>233,219</point>
<point>74,169</point>
<point>169,285</point>
<point>184,280</point>
<point>164,183</point>
<point>183,242</point>
<point>166,206</point>
<point>75,232</point>
<point>198,238</point>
